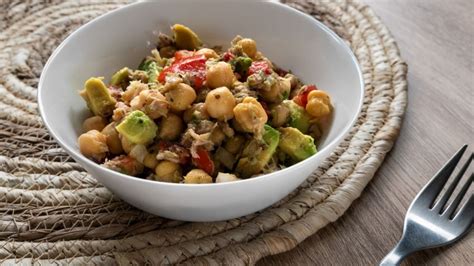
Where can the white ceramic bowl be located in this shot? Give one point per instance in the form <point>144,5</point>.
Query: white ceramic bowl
<point>123,37</point>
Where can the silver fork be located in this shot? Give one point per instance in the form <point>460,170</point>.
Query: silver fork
<point>429,225</point>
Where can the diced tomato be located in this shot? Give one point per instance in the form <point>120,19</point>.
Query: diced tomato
<point>163,73</point>
<point>228,56</point>
<point>260,66</point>
<point>302,97</point>
<point>194,65</point>
<point>203,161</point>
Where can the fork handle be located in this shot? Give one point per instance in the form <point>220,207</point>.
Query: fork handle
<point>397,254</point>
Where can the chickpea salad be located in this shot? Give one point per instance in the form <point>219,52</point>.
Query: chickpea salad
<point>193,114</point>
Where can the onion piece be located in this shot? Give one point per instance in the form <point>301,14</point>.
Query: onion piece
<point>225,177</point>
<point>138,152</point>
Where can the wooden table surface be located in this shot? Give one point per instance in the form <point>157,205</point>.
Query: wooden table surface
<point>436,39</point>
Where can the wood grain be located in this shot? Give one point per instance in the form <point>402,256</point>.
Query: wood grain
<point>436,39</point>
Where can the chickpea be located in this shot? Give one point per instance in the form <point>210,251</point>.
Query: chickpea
<point>150,160</point>
<point>170,127</point>
<point>278,92</point>
<point>197,176</point>
<point>319,104</point>
<point>96,122</point>
<point>250,115</point>
<point>234,144</point>
<point>219,75</point>
<point>249,47</point>
<point>259,56</point>
<point>294,81</point>
<point>220,103</point>
<point>113,140</point>
<point>92,144</point>
<point>270,95</point>
<point>208,53</point>
<point>280,115</point>
<point>181,97</point>
<point>167,171</point>
<point>126,145</point>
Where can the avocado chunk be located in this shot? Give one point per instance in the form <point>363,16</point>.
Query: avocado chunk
<point>152,70</point>
<point>185,38</point>
<point>138,128</point>
<point>253,162</point>
<point>299,118</point>
<point>98,98</point>
<point>296,144</point>
<point>120,77</point>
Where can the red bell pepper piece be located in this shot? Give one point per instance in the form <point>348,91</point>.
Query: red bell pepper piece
<point>302,97</point>
<point>228,56</point>
<point>203,160</point>
<point>186,62</point>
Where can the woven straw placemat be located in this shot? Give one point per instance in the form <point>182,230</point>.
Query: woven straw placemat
<point>52,211</point>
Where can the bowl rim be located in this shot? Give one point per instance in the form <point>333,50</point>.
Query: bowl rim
<point>84,160</point>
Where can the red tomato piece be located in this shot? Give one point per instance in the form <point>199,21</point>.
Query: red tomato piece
<point>204,161</point>
<point>228,56</point>
<point>260,66</point>
<point>194,66</point>
<point>302,98</point>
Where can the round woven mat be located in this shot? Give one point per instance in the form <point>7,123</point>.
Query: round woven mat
<point>52,211</point>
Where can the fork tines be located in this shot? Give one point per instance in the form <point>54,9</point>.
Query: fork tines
<point>431,191</point>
